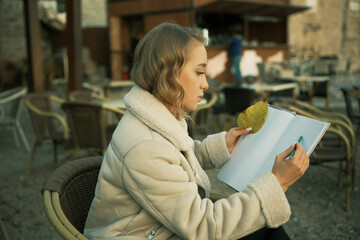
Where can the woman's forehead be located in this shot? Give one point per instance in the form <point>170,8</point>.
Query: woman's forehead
<point>196,53</point>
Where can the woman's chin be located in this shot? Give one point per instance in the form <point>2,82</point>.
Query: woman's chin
<point>191,108</point>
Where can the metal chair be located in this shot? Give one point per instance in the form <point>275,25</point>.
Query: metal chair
<point>68,193</point>
<point>11,103</point>
<point>350,94</point>
<point>89,129</point>
<point>45,122</point>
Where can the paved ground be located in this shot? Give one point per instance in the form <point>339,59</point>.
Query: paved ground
<point>317,203</point>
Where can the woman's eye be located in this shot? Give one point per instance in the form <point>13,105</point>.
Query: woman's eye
<point>199,73</point>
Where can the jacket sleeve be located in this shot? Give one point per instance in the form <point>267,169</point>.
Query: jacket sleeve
<point>153,174</point>
<point>212,151</point>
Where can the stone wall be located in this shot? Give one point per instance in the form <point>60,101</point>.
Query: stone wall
<point>94,13</point>
<point>12,30</point>
<point>330,27</point>
<point>12,26</point>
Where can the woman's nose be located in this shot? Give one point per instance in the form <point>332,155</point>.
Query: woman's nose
<point>204,84</point>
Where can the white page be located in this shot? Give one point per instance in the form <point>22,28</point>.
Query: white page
<point>251,150</point>
<point>311,130</point>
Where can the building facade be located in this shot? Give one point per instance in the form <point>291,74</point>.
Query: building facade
<point>328,28</point>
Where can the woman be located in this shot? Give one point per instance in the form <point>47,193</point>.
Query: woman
<point>151,184</point>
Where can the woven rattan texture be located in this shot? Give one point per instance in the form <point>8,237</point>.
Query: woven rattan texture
<point>78,195</point>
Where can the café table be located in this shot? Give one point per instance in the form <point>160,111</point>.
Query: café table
<point>115,90</point>
<point>112,88</point>
<point>117,103</point>
<point>112,85</point>
<point>310,83</point>
<point>265,89</point>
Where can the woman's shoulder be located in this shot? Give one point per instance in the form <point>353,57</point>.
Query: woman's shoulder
<point>132,132</point>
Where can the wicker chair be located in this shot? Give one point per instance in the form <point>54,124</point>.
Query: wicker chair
<point>68,193</point>
<point>337,145</point>
<point>48,125</point>
<point>89,129</point>
<point>11,103</point>
<point>85,95</point>
<point>200,117</point>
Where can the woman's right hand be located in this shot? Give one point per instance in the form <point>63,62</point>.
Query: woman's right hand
<point>288,171</point>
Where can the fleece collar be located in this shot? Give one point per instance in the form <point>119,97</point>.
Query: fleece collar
<point>156,116</point>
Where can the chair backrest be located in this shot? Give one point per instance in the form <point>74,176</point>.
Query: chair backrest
<point>11,102</point>
<point>93,88</point>
<point>263,74</point>
<point>356,94</point>
<point>44,126</point>
<point>238,99</point>
<point>348,102</point>
<point>201,114</point>
<point>73,187</point>
<point>80,96</point>
<point>87,124</point>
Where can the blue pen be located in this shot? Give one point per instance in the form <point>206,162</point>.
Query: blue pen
<point>293,151</point>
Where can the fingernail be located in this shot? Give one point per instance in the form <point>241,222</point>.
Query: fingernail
<point>293,144</point>
<point>248,129</point>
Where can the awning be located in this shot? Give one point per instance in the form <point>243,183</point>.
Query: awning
<point>251,8</point>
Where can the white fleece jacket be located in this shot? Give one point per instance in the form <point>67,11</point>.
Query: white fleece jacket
<point>150,176</point>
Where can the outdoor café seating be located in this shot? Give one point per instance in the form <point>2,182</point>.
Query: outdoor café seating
<point>85,95</point>
<point>82,125</point>
<point>47,123</point>
<point>11,104</point>
<point>337,145</point>
<point>351,95</point>
<point>68,193</point>
<point>200,117</point>
<point>88,126</point>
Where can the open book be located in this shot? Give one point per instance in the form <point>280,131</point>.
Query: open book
<point>254,154</point>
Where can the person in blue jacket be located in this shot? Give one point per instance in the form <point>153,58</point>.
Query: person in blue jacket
<point>236,43</point>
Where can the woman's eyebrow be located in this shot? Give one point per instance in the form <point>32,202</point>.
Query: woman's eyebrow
<point>202,64</point>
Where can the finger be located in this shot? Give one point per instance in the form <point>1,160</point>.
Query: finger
<point>299,151</point>
<point>305,160</point>
<point>298,146</point>
<point>244,131</point>
<point>304,164</point>
<point>301,158</point>
<point>287,152</point>
<point>247,130</point>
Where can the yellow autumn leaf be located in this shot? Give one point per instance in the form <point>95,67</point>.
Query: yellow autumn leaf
<point>254,116</point>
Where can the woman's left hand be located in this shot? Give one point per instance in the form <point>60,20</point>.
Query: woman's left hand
<point>232,136</point>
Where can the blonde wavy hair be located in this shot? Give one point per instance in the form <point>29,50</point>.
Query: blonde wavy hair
<point>158,60</point>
